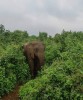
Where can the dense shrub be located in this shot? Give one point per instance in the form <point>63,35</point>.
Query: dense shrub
<point>14,69</point>
<point>61,77</point>
<point>61,81</point>
<point>51,53</point>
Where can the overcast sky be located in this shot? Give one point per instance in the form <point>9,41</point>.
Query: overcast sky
<point>51,16</point>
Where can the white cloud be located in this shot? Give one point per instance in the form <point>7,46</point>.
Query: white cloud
<point>42,15</point>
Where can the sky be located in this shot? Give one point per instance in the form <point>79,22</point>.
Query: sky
<point>34,16</point>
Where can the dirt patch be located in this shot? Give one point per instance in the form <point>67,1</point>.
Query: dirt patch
<point>12,95</point>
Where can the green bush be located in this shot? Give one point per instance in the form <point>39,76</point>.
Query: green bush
<point>63,80</point>
<point>55,83</point>
<point>13,66</point>
<point>51,53</point>
<point>61,77</point>
<point>14,70</point>
<point>6,83</point>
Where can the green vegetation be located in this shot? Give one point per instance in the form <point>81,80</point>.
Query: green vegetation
<point>13,66</point>
<point>61,77</point>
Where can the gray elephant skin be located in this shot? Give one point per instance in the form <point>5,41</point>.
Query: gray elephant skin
<point>34,53</point>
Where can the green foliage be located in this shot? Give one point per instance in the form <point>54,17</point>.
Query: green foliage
<point>2,29</point>
<point>14,69</point>
<point>60,79</point>
<point>13,66</point>
<point>51,53</point>
<point>42,35</point>
<point>63,79</point>
<point>55,83</point>
<point>6,83</point>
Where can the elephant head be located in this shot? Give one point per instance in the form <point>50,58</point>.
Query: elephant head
<point>34,53</point>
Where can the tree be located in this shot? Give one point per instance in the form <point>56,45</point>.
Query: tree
<point>42,35</point>
<point>2,29</point>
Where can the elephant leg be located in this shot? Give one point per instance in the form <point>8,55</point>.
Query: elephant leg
<point>35,71</point>
<point>31,65</point>
<point>37,66</point>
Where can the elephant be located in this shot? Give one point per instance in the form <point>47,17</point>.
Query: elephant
<point>34,53</point>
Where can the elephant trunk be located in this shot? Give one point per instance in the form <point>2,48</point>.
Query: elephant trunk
<point>41,60</point>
